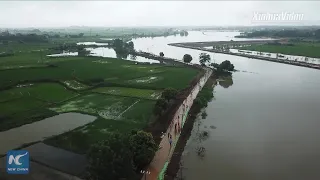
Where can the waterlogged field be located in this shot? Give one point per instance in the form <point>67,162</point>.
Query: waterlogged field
<point>73,84</point>
<point>121,91</point>
<point>136,116</point>
<point>300,49</point>
<point>121,94</point>
<point>103,105</point>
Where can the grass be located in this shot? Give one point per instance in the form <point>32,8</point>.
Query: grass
<point>73,84</point>
<point>174,77</point>
<point>25,117</point>
<point>299,49</point>
<point>105,106</point>
<point>124,103</point>
<point>20,105</point>
<point>117,71</point>
<point>17,47</point>
<point>80,139</point>
<point>134,116</point>
<point>122,91</point>
<point>50,92</point>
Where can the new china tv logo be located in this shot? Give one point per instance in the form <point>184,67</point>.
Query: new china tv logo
<point>18,162</point>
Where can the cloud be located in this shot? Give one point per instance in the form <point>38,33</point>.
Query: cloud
<point>144,13</point>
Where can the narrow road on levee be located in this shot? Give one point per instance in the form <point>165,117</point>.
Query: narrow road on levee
<point>162,157</point>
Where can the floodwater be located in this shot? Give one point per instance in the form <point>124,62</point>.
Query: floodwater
<point>106,52</point>
<point>285,56</point>
<point>65,53</point>
<point>39,130</point>
<point>265,123</point>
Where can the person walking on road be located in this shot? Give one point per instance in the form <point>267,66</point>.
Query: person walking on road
<point>170,141</point>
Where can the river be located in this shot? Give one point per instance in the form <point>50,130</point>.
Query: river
<point>266,122</point>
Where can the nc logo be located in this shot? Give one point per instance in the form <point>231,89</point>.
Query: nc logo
<point>18,162</point>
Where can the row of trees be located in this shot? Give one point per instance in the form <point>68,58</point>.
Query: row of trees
<point>120,156</point>
<point>305,33</point>
<point>5,37</point>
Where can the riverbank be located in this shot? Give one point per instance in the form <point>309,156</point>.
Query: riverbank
<point>220,43</point>
<point>174,164</point>
<point>177,115</point>
<point>295,63</point>
<point>310,50</point>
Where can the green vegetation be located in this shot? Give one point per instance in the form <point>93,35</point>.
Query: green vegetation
<point>26,103</point>
<point>73,84</point>
<point>164,101</point>
<point>204,58</point>
<point>94,85</point>
<point>291,33</point>
<point>187,58</point>
<point>121,155</point>
<point>300,49</point>
<point>204,96</point>
<point>140,93</point>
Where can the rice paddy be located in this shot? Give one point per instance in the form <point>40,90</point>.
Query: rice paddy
<point>121,94</point>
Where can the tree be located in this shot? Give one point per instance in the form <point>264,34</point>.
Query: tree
<point>110,159</point>
<point>161,54</point>
<point>117,44</point>
<point>143,149</point>
<point>187,58</point>
<point>130,45</point>
<point>204,58</point>
<point>215,65</point>
<point>169,93</point>
<point>226,65</point>
<point>160,106</point>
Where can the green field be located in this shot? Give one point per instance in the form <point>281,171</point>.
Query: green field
<point>50,92</point>
<point>299,49</point>
<point>115,113</point>
<point>121,91</point>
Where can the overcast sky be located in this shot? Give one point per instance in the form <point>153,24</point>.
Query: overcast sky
<point>146,13</point>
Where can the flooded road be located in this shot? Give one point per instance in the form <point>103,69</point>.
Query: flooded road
<point>39,130</point>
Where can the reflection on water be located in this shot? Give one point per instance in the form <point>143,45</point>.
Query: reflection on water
<point>65,53</point>
<point>92,43</point>
<point>226,82</point>
<point>39,130</point>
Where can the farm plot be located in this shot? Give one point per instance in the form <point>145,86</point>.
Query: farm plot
<point>122,91</point>
<point>50,92</point>
<point>106,106</point>
<point>73,84</point>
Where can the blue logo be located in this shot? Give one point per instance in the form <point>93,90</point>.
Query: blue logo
<point>18,162</point>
